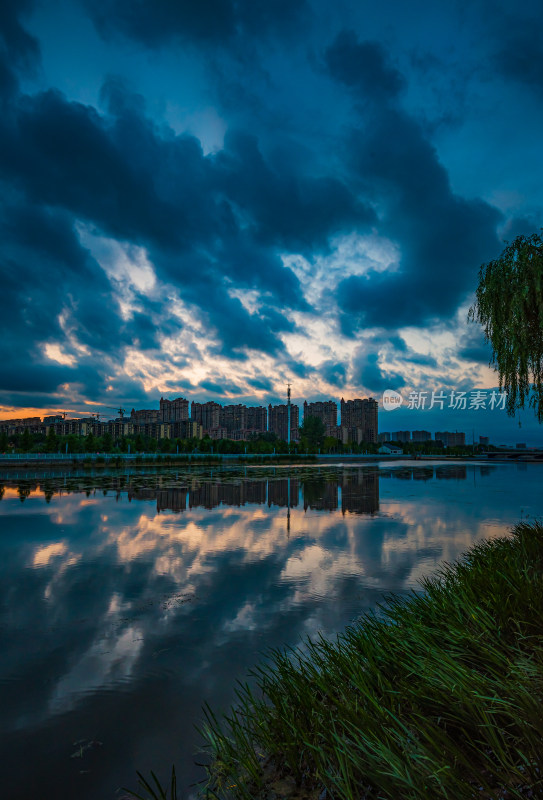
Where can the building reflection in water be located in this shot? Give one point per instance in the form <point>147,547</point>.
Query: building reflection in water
<point>353,490</point>
<point>132,619</point>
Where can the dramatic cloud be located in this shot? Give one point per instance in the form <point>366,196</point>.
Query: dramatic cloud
<point>209,22</point>
<point>363,66</point>
<point>218,198</point>
<point>519,52</point>
<point>443,237</point>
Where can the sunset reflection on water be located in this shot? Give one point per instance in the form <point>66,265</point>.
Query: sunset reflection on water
<point>129,601</point>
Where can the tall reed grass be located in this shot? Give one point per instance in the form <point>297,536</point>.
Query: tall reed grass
<point>435,695</point>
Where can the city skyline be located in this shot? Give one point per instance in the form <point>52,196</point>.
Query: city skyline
<point>473,423</point>
<point>177,418</point>
<point>345,420</point>
<point>216,203</point>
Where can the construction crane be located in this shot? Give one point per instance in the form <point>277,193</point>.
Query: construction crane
<point>120,411</point>
<point>97,414</point>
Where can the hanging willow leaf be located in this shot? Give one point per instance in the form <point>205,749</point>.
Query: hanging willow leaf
<point>509,306</point>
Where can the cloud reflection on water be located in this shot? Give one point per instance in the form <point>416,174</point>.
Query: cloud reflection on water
<point>165,590</point>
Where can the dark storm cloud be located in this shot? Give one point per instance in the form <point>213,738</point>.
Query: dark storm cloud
<point>262,384</point>
<point>215,224</point>
<point>118,173</point>
<point>363,66</point>
<point>334,372</point>
<point>290,210</point>
<point>215,22</point>
<point>367,372</point>
<point>369,362</point>
<point>236,328</point>
<point>17,377</point>
<point>160,191</point>
<point>45,270</point>
<point>520,56</point>
<point>62,154</point>
<point>522,226</point>
<point>19,51</point>
<point>220,388</point>
<point>472,346</point>
<point>32,236</point>
<point>443,237</point>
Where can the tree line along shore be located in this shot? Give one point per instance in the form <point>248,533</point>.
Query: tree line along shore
<point>311,440</point>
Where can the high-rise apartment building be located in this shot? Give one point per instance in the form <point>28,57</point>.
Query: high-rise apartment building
<point>450,439</point>
<point>278,421</point>
<point>233,418</point>
<point>144,416</point>
<point>256,418</point>
<point>360,414</point>
<point>186,429</point>
<point>326,411</point>
<point>174,410</point>
<point>421,436</point>
<point>207,414</point>
<point>400,436</point>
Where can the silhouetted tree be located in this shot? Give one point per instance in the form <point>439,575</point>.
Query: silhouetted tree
<point>26,441</point>
<point>312,431</point>
<point>509,306</point>
<point>51,441</point>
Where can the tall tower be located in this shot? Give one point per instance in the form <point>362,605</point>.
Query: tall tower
<point>288,416</point>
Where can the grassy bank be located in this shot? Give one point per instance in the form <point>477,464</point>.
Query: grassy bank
<point>439,696</point>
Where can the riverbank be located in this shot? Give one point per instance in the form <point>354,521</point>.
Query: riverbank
<point>16,461</point>
<point>437,696</point>
<point>88,460</point>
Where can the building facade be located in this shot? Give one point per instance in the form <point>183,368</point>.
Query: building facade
<point>174,410</point>
<point>361,413</point>
<point>233,418</point>
<point>256,418</point>
<point>207,414</point>
<point>400,436</point>
<point>326,411</point>
<point>145,416</point>
<point>451,439</point>
<point>278,422</point>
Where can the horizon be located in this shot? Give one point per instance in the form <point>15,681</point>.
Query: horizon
<point>469,423</point>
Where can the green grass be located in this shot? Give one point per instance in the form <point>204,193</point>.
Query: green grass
<point>437,695</point>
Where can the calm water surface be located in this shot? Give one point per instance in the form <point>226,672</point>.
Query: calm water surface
<point>129,600</point>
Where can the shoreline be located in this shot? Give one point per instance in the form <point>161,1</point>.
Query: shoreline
<point>434,697</point>
<point>119,460</point>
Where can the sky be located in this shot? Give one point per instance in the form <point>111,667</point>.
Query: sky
<point>213,199</point>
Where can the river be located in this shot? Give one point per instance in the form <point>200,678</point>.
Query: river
<point>130,599</point>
